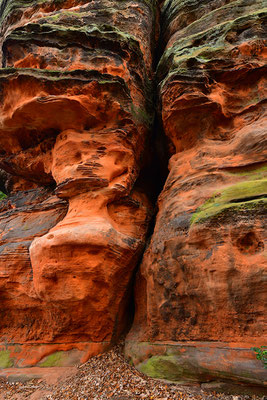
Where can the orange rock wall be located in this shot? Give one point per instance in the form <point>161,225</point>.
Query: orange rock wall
<point>77,90</point>
<point>200,292</point>
<point>75,115</point>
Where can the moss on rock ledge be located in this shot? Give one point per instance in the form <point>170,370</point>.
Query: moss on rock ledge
<point>248,194</point>
<point>167,367</point>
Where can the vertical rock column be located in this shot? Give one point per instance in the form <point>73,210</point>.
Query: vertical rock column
<point>75,114</point>
<point>200,293</point>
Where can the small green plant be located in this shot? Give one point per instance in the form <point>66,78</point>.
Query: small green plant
<point>261,354</point>
<point>2,196</point>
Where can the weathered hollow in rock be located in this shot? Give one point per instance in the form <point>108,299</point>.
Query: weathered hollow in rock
<point>83,160</point>
<point>76,116</point>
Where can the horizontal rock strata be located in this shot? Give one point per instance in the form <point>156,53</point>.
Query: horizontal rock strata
<point>75,115</point>
<point>77,167</point>
<point>200,292</point>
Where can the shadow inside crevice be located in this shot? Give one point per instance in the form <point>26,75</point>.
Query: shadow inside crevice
<point>151,180</point>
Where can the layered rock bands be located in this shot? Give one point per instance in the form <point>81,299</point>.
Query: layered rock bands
<point>76,117</point>
<point>200,292</point>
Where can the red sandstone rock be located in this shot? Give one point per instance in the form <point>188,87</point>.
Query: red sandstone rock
<point>200,292</point>
<point>75,113</point>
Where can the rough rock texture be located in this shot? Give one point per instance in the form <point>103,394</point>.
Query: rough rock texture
<point>200,292</point>
<point>106,376</point>
<point>75,115</point>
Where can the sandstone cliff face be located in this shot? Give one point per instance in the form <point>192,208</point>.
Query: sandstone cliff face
<point>200,292</point>
<point>76,113</point>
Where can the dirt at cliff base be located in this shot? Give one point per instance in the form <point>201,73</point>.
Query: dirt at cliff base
<point>107,376</point>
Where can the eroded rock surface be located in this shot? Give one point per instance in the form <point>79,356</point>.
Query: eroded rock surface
<point>75,115</point>
<point>200,292</point>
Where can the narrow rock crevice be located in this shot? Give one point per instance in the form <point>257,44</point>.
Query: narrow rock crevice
<point>132,140</point>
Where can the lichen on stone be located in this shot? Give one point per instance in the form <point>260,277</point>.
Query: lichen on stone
<point>5,359</point>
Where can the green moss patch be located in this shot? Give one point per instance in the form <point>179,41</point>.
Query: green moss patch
<point>2,196</point>
<point>5,360</point>
<point>54,360</point>
<point>248,194</point>
<point>169,367</point>
<point>163,367</point>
